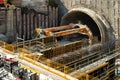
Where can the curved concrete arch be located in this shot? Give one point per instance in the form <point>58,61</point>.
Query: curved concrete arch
<point>98,24</point>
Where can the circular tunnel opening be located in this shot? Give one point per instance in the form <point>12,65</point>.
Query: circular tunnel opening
<point>84,19</point>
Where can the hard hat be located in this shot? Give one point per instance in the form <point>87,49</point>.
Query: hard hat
<point>38,30</point>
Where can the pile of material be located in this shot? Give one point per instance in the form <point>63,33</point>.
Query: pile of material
<point>78,54</point>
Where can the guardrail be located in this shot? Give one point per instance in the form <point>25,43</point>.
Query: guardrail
<point>8,48</point>
<point>37,58</point>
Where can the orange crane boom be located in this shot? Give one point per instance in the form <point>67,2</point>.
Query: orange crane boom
<point>67,30</point>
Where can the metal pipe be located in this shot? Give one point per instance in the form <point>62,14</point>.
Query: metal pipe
<point>97,24</point>
<point>94,69</point>
<point>80,75</point>
<point>70,26</point>
<point>86,75</point>
<point>83,30</point>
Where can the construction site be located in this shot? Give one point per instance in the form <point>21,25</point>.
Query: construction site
<point>60,40</point>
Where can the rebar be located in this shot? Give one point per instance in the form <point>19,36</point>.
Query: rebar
<point>72,56</point>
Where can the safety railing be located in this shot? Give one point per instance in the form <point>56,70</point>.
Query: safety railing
<point>8,48</point>
<point>93,78</point>
<point>58,50</point>
<point>23,51</point>
<point>85,76</point>
<point>49,41</point>
<point>38,58</point>
<point>48,46</point>
<point>2,44</point>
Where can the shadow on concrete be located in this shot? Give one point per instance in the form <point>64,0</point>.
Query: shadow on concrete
<point>62,10</point>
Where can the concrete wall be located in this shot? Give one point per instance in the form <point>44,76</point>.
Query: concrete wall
<point>2,21</point>
<point>14,23</point>
<point>38,5</point>
<point>7,25</point>
<point>110,9</point>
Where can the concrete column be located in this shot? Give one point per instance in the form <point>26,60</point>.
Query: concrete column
<point>2,21</point>
<point>10,26</point>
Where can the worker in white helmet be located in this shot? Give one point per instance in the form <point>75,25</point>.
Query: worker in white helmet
<point>38,33</point>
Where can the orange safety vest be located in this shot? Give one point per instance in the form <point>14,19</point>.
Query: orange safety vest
<point>1,1</point>
<point>4,2</point>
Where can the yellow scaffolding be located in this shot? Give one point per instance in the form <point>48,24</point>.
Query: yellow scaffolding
<point>8,48</point>
<point>23,51</point>
<point>33,58</point>
<point>2,44</point>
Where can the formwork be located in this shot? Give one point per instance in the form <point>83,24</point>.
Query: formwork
<point>95,62</point>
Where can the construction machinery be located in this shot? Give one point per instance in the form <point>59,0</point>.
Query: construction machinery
<point>9,64</point>
<point>70,61</point>
<point>60,52</point>
<point>62,31</point>
<point>13,67</point>
<point>74,60</point>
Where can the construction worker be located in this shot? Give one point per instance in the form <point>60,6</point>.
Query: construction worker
<point>5,3</point>
<point>2,3</point>
<point>38,33</point>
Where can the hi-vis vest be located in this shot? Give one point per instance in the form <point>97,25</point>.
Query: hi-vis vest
<point>3,2</point>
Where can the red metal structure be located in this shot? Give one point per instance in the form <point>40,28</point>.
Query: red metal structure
<point>66,30</point>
